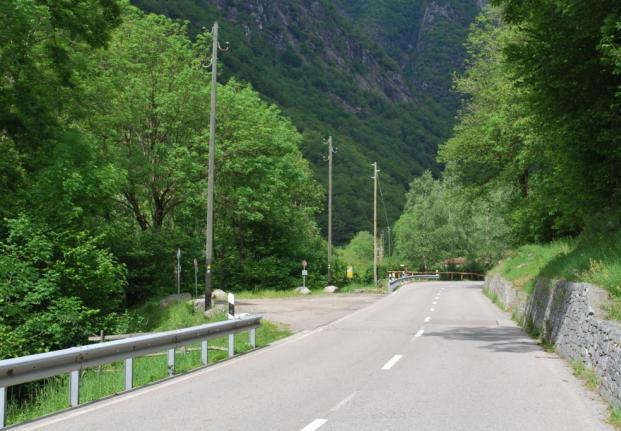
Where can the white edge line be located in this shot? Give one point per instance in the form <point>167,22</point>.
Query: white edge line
<point>315,425</point>
<point>347,399</point>
<point>392,362</point>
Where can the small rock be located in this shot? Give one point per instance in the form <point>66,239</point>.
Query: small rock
<point>303,290</point>
<point>215,310</point>
<point>219,295</point>
<point>174,298</point>
<point>199,303</point>
<point>330,289</point>
<point>359,290</point>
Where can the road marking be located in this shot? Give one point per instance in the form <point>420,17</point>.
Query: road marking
<point>418,334</point>
<point>347,399</point>
<point>427,319</point>
<point>432,309</point>
<point>434,302</point>
<point>315,425</point>
<point>392,362</point>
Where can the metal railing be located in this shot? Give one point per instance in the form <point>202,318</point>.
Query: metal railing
<point>73,360</point>
<point>393,284</point>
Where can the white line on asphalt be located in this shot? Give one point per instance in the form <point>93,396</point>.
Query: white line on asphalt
<point>315,425</point>
<point>392,362</point>
<point>427,319</point>
<point>418,334</point>
<point>347,399</point>
<point>432,309</point>
<point>434,302</point>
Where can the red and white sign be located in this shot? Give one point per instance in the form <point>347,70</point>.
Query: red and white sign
<point>304,264</point>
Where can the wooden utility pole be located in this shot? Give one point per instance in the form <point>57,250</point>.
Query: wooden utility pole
<point>330,152</point>
<point>210,175</point>
<point>375,173</point>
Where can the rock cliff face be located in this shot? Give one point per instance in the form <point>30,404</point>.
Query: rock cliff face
<point>376,75</point>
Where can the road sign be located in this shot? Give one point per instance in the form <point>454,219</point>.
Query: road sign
<point>350,272</point>
<point>196,264</point>
<point>304,272</point>
<point>304,264</point>
<point>231,301</point>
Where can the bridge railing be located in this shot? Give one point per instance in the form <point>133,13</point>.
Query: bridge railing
<point>446,275</point>
<point>73,360</point>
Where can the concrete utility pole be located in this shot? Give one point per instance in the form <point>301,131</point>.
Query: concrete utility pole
<point>210,175</point>
<point>375,174</point>
<point>330,152</point>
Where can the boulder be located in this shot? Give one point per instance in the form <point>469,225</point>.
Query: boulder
<point>170,299</point>
<point>303,290</point>
<point>219,295</point>
<point>215,310</point>
<point>330,289</point>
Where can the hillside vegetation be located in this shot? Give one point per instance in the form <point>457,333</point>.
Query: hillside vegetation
<point>535,150</point>
<point>375,75</point>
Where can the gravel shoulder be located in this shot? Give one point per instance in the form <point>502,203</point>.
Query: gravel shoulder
<point>306,312</point>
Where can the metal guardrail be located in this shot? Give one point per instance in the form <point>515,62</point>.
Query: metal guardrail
<point>34,367</point>
<point>403,280</point>
<point>392,285</point>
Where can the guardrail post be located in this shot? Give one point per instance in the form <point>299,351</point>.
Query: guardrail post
<point>253,337</point>
<point>2,407</point>
<point>231,345</point>
<point>171,362</point>
<point>129,373</point>
<point>204,352</point>
<point>74,388</point>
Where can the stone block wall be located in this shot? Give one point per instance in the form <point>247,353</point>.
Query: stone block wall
<point>568,315</point>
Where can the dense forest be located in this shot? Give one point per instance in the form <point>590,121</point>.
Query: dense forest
<point>103,128</point>
<point>534,156</point>
<point>374,75</point>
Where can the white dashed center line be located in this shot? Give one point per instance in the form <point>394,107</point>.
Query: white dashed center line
<point>347,399</point>
<point>432,309</point>
<point>315,425</point>
<point>392,362</point>
<point>418,334</point>
<point>427,319</point>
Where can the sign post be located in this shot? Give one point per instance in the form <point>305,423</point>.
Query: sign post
<point>195,278</point>
<point>231,315</point>
<point>350,272</point>
<point>178,271</point>
<point>304,272</point>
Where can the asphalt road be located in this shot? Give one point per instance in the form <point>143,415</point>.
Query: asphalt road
<point>432,356</point>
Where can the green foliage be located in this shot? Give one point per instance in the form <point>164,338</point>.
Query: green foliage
<point>440,222</point>
<point>324,98</point>
<point>541,118</point>
<point>53,288</point>
<point>359,254</point>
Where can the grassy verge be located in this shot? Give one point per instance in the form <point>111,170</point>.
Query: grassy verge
<point>591,258</point>
<point>40,398</point>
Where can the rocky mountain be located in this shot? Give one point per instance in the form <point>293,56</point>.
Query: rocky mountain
<point>376,75</point>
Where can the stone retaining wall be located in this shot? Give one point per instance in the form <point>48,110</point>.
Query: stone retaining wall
<point>567,315</point>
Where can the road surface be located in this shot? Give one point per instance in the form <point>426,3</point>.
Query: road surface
<point>433,356</point>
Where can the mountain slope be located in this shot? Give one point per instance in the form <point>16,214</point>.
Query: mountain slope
<point>332,69</point>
